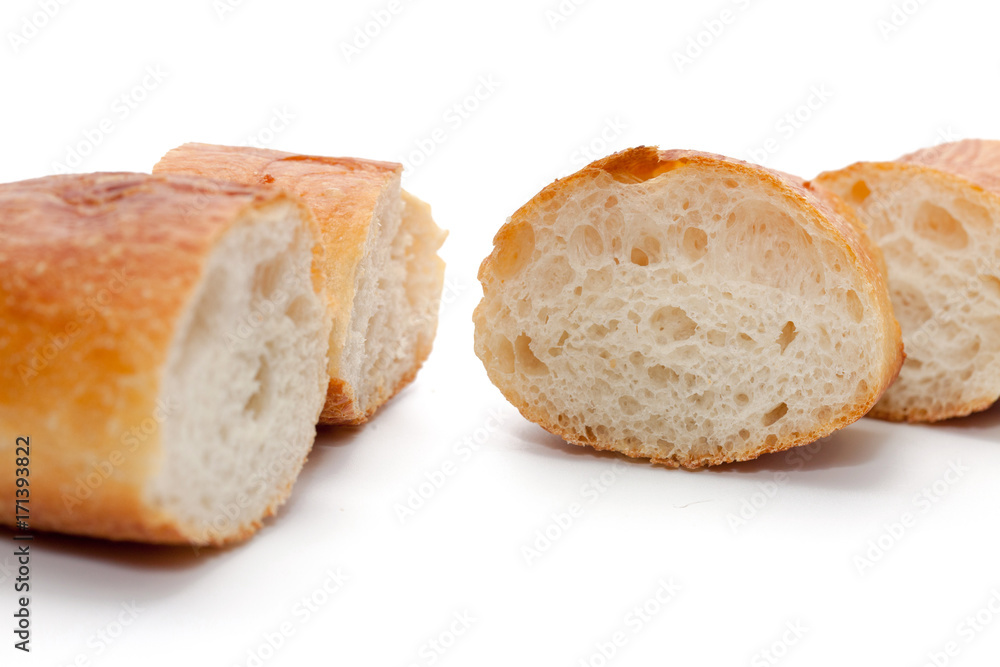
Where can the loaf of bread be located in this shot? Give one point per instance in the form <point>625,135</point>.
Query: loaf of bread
<point>936,216</point>
<point>162,354</point>
<point>687,308</point>
<point>383,275</point>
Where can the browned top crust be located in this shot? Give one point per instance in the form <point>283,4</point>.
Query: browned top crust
<point>645,162</point>
<point>66,236</point>
<point>975,160</point>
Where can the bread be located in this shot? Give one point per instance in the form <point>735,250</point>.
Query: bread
<point>383,275</point>
<point>687,308</point>
<point>163,347</point>
<point>936,215</point>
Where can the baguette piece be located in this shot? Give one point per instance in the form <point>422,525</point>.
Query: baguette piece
<point>936,215</point>
<point>383,275</point>
<point>164,350</point>
<point>686,307</point>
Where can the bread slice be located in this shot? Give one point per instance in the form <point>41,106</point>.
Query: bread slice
<point>163,347</point>
<point>936,215</point>
<point>383,275</point>
<point>687,308</point>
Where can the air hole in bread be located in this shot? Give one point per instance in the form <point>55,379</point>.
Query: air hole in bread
<point>940,227</point>
<point>971,349</point>
<point>992,286</point>
<point>974,216</point>
<point>517,250</point>
<point>504,353</point>
<point>256,404</point>
<point>672,324</point>
<point>599,280</point>
<point>300,309</point>
<point>862,387</point>
<point>597,331</point>
<point>859,192</point>
<point>716,338</point>
<point>788,334</point>
<point>559,272</point>
<point>695,243</point>
<point>652,247</point>
<point>587,242</point>
<point>639,257</point>
<point>910,304</point>
<point>267,277</point>
<point>527,362</point>
<point>854,306</point>
<point>662,375</point>
<point>629,405</point>
<point>774,415</point>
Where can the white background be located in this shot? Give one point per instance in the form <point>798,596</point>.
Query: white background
<point>753,549</point>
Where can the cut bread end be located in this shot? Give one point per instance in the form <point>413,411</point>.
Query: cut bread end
<point>245,381</point>
<point>394,314</point>
<point>940,235</point>
<point>686,308</point>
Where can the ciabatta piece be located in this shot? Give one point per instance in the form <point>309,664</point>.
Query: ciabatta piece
<point>936,216</point>
<point>685,307</point>
<point>383,275</point>
<point>163,347</point>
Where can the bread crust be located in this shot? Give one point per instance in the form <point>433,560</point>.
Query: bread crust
<point>342,194</point>
<point>95,272</point>
<point>970,163</point>
<point>645,163</point>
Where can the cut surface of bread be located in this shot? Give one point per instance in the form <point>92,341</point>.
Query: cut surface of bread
<point>383,275</point>
<point>165,347</point>
<point>687,308</point>
<point>936,216</point>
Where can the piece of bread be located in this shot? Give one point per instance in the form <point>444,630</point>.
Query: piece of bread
<point>687,308</point>
<point>383,275</point>
<point>163,347</point>
<point>936,216</point>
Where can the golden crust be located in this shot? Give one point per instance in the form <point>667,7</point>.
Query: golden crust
<point>975,160</point>
<point>95,271</point>
<point>342,194</point>
<point>972,163</point>
<point>824,209</point>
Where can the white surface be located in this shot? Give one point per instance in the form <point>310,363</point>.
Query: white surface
<point>610,65</point>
